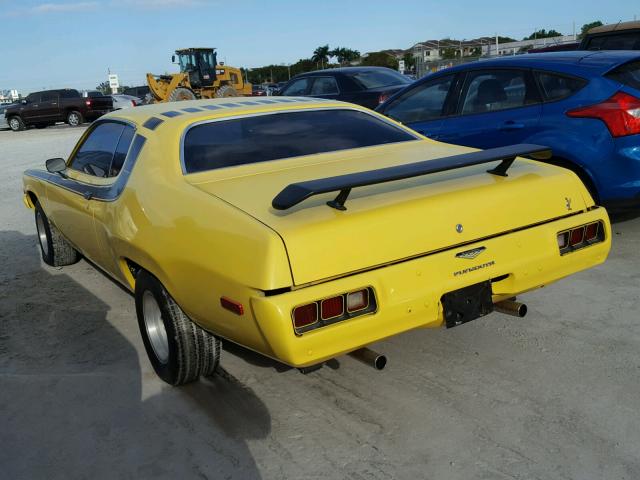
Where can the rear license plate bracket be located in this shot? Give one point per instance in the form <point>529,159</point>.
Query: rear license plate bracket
<point>468,303</point>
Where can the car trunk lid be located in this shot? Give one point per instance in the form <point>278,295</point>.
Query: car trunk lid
<point>393,221</point>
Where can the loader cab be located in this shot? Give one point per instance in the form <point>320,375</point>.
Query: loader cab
<point>199,64</point>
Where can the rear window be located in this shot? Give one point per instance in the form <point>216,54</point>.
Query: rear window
<point>556,87</point>
<point>277,136</point>
<point>628,74</point>
<point>371,79</point>
<point>615,41</point>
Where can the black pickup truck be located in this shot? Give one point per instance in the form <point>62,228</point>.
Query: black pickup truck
<point>45,108</point>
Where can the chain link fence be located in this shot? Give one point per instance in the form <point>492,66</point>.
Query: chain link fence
<point>424,68</point>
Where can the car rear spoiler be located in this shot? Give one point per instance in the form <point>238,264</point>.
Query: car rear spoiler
<point>295,193</point>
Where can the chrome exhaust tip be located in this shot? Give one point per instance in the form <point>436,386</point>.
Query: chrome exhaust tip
<point>371,358</point>
<point>510,307</point>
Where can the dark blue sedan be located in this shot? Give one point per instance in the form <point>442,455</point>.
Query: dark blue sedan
<point>584,105</point>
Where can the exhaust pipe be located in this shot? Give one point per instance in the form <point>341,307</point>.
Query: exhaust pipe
<point>371,358</point>
<point>510,307</point>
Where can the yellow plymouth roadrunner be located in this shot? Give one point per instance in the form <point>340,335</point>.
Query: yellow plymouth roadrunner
<point>304,229</point>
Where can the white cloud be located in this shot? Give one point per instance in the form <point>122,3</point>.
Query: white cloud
<point>157,4</point>
<point>62,7</point>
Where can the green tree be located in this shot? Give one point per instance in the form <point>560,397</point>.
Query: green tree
<point>380,59</point>
<point>449,52</point>
<point>344,55</point>
<point>321,55</point>
<point>506,39</point>
<point>588,26</point>
<point>409,61</point>
<point>104,88</point>
<point>542,33</point>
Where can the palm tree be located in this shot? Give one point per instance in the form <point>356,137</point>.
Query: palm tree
<point>321,54</point>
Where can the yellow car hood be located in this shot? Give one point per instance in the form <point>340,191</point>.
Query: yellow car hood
<point>397,220</point>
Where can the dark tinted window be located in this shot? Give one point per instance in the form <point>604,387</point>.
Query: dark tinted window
<point>33,97</point>
<point>324,86</point>
<point>616,41</point>
<point>493,90</point>
<point>422,103</point>
<point>69,93</point>
<point>628,74</point>
<point>298,87</point>
<point>49,97</point>
<point>96,153</point>
<point>121,150</point>
<point>555,87</point>
<point>269,137</point>
<point>369,79</point>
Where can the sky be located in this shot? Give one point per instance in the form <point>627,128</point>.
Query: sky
<point>71,43</point>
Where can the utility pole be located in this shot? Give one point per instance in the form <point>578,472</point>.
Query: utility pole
<point>496,43</point>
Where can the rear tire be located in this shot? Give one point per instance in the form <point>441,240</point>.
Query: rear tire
<point>181,94</point>
<point>16,124</point>
<point>178,349</point>
<point>74,118</point>
<point>226,91</point>
<point>56,250</point>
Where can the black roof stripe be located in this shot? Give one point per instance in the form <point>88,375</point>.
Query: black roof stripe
<point>211,107</point>
<point>191,109</point>
<point>152,123</point>
<point>171,113</point>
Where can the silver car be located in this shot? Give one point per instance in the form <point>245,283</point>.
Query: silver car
<point>3,120</point>
<point>124,101</point>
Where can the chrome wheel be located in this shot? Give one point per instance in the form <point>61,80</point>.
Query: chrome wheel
<point>42,233</point>
<point>156,332</point>
<point>14,124</point>
<point>74,121</point>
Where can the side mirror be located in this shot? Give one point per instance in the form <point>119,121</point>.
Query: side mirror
<point>56,165</point>
<point>173,59</point>
<point>24,102</point>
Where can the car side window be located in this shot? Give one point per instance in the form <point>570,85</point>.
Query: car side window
<point>97,152</point>
<point>425,102</point>
<point>324,86</point>
<point>121,150</point>
<point>33,98</point>
<point>494,90</point>
<point>556,87</point>
<point>49,97</point>
<point>298,87</point>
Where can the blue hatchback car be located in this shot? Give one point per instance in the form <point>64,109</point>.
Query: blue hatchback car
<point>585,105</point>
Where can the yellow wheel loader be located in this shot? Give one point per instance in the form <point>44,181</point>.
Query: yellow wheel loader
<point>200,77</point>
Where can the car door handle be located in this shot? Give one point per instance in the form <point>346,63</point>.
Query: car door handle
<point>87,195</point>
<point>511,125</point>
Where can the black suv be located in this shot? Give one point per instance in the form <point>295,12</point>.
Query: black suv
<point>45,108</point>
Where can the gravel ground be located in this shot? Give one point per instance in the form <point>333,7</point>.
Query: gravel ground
<point>552,396</point>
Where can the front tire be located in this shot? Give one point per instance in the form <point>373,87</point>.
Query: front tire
<point>56,250</point>
<point>181,94</point>
<point>226,91</point>
<point>16,124</point>
<point>74,118</point>
<point>178,349</point>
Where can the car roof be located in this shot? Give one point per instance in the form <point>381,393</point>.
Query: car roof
<point>342,70</point>
<point>182,114</point>
<point>587,62</point>
<point>615,27</point>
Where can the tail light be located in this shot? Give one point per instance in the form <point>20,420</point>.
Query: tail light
<point>383,98</point>
<point>580,237</point>
<point>133,103</point>
<point>334,309</point>
<point>305,315</point>
<point>620,113</point>
<point>88,103</point>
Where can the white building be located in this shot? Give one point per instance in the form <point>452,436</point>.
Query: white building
<point>513,48</point>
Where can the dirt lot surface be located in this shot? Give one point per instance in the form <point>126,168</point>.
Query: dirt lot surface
<point>553,396</point>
